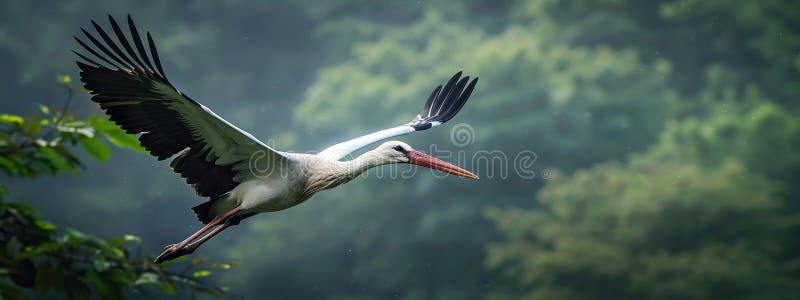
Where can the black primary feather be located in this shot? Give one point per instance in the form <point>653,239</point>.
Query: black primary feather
<point>113,45</point>
<point>122,86</point>
<point>124,41</point>
<point>103,58</point>
<point>444,102</point>
<point>138,41</point>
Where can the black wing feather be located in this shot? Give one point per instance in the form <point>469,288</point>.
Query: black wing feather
<point>449,101</point>
<point>154,53</point>
<point>86,59</point>
<point>460,103</point>
<point>111,44</point>
<point>102,48</point>
<point>448,89</point>
<point>433,96</point>
<point>94,52</point>
<point>138,41</point>
<point>126,95</point>
<point>124,41</point>
<point>444,102</point>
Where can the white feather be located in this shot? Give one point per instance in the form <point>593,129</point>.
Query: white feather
<point>340,150</point>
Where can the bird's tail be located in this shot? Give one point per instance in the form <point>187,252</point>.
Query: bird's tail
<point>203,212</point>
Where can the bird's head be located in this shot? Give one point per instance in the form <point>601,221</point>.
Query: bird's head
<point>399,152</point>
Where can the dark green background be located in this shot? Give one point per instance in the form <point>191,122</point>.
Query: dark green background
<point>666,134</point>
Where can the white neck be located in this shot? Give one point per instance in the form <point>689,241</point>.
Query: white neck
<point>326,173</point>
<point>364,162</point>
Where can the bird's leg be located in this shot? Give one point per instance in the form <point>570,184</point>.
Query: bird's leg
<point>216,221</point>
<point>189,248</point>
<point>171,249</point>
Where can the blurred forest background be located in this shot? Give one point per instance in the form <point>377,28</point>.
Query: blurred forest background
<point>666,134</point>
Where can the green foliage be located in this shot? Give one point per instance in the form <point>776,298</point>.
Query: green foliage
<point>758,40</point>
<point>40,144</point>
<point>650,231</point>
<point>114,134</point>
<point>579,83</point>
<point>710,211</point>
<point>705,90</point>
<point>36,259</point>
<point>693,218</point>
<point>761,134</point>
<point>74,265</point>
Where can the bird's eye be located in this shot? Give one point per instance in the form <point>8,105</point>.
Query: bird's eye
<point>399,148</point>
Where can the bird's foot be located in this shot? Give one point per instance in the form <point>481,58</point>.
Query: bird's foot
<point>172,252</point>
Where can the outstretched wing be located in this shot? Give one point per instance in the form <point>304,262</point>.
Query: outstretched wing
<point>442,105</point>
<point>135,93</point>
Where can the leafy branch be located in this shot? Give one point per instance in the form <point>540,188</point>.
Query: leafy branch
<point>38,259</point>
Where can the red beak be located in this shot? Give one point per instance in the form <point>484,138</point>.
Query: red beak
<point>422,159</point>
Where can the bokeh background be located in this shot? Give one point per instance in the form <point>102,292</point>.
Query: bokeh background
<point>666,135</point>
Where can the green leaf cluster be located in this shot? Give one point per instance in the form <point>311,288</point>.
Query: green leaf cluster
<point>41,143</point>
<point>39,260</point>
<point>692,218</point>
<point>673,124</point>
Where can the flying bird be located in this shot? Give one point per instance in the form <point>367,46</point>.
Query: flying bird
<point>240,175</point>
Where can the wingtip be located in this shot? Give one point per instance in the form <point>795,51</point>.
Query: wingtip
<point>472,83</point>
<point>112,20</point>
<point>445,101</point>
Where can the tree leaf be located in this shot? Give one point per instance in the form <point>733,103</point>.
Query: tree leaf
<point>168,287</point>
<point>201,273</point>
<point>100,286</point>
<point>74,124</point>
<point>197,261</point>
<point>44,225</point>
<point>32,126</point>
<point>44,109</point>
<point>115,134</point>
<point>64,80</point>
<point>56,159</point>
<point>174,261</point>
<point>132,238</point>
<point>74,235</point>
<point>95,148</point>
<point>8,165</point>
<point>221,266</point>
<point>146,278</point>
<point>11,119</point>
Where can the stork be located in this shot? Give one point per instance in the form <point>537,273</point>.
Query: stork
<point>240,175</point>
